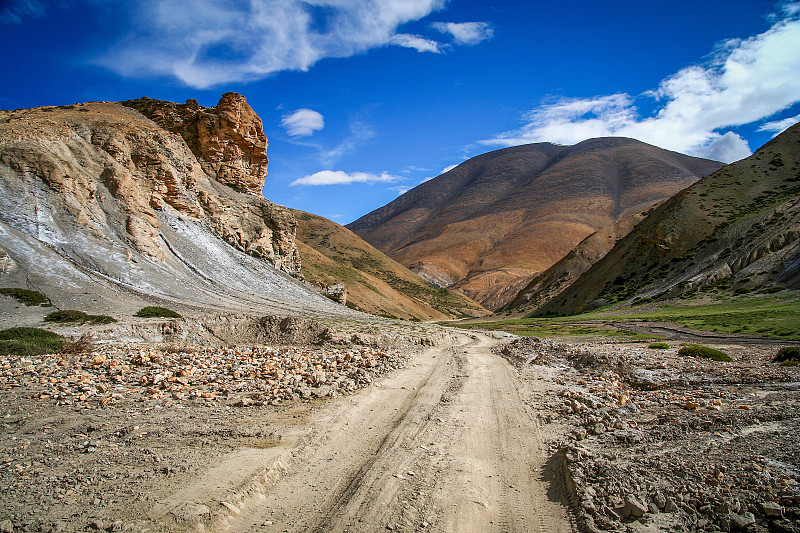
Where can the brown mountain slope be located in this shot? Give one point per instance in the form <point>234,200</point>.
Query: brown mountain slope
<point>737,229</point>
<point>487,227</point>
<point>569,268</point>
<point>375,283</point>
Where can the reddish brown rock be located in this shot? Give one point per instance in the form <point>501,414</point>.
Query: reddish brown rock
<point>228,140</point>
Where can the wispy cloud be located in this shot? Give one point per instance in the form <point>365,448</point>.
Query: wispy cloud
<point>779,126</point>
<point>210,42</point>
<point>745,81</point>
<point>338,177</point>
<point>303,122</point>
<point>420,44</point>
<point>360,131</point>
<point>401,189</point>
<point>14,11</point>
<point>466,33</point>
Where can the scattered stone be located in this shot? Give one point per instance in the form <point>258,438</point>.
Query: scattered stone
<point>771,509</point>
<point>743,520</point>
<point>634,507</point>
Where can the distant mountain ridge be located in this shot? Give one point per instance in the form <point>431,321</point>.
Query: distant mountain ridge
<point>490,225</point>
<point>736,231</point>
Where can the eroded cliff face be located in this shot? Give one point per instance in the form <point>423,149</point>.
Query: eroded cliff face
<point>115,175</point>
<point>228,140</point>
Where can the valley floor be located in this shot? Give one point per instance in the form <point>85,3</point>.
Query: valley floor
<point>479,432</point>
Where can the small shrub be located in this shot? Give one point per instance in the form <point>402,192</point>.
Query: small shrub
<point>659,346</point>
<point>82,344</point>
<point>25,296</point>
<point>704,352</point>
<point>29,341</point>
<point>771,290</point>
<point>743,290</point>
<point>788,354</point>
<point>156,311</point>
<point>66,316</point>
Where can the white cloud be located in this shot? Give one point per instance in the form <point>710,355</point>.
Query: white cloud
<point>744,82</point>
<point>338,177</point>
<point>779,126</point>
<point>210,42</point>
<point>303,122</point>
<point>448,168</point>
<point>420,44</point>
<point>467,33</point>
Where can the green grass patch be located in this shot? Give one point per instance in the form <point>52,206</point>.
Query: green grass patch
<point>537,327</point>
<point>753,315</point>
<point>156,311</point>
<point>705,352</point>
<point>29,341</point>
<point>659,346</point>
<point>25,296</point>
<point>67,316</point>
<point>789,355</point>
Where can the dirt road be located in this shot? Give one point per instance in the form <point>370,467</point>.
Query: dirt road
<point>445,444</point>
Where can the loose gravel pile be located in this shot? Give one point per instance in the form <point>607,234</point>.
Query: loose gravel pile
<point>662,442</point>
<point>254,375</point>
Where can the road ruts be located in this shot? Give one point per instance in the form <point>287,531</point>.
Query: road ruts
<point>445,445</point>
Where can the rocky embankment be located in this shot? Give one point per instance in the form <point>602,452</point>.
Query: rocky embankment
<point>663,442</point>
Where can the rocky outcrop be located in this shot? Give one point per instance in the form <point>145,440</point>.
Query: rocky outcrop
<point>228,140</point>
<point>105,163</point>
<point>337,292</point>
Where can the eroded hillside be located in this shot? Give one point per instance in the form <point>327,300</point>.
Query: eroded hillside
<point>103,208</point>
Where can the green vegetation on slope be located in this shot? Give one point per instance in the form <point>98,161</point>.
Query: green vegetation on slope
<point>29,341</point>
<point>156,311</point>
<point>67,316</point>
<point>752,315</point>
<point>25,296</point>
<point>535,327</point>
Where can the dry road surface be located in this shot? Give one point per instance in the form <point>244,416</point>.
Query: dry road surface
<point>444,445</point>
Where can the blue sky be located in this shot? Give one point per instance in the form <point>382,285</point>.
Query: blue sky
<point>362,100</point>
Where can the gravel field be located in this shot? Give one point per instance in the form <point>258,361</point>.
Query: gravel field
<point>91,441</point>
<point>664,442</point>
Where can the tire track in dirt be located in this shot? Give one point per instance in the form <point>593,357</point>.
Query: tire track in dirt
<point>446,445</point>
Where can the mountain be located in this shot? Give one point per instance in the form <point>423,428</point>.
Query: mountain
<point>107,207</point>
<point>568,269</point>
<point>375,283</point>
<point>736,230</point>
<point>487,227</point>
